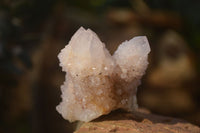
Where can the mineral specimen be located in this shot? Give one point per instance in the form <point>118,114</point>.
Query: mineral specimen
<point>96,82</point>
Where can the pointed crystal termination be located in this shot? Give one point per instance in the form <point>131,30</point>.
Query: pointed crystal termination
<point>96,82</point>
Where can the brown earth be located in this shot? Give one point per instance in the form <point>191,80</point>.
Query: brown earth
<point>138,122</point>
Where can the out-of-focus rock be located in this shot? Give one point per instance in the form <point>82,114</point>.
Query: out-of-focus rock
<point>174,63</point>
<point>168,90</point>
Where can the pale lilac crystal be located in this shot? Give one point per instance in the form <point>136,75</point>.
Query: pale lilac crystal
<point>96,82</point>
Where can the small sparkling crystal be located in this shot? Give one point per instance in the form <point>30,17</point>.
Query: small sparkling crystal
<point>96,82</point>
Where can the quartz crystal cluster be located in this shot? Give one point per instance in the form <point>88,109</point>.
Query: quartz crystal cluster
<point>96,82</point>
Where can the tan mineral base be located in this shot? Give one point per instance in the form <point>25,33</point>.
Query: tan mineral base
<point>140,122</point>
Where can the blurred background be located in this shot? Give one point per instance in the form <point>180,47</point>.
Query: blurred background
<point>32,33</point>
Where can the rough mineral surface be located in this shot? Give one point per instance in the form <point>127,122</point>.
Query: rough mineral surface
<point>96,82</point>
<point>139,122</point>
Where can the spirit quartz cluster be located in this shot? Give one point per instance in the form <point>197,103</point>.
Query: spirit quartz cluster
<point>98,82</point>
